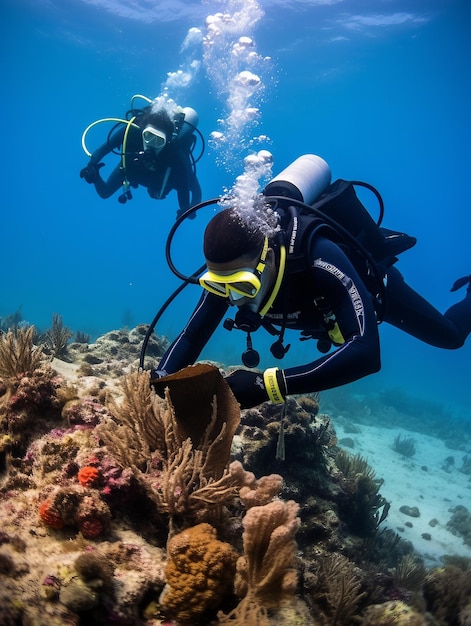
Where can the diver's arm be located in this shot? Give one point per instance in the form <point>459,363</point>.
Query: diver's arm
<point>188,345</point>
<point>335,277</point>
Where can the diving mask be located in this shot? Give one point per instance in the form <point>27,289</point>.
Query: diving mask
<point>244,283</point>
<point>153,139</point>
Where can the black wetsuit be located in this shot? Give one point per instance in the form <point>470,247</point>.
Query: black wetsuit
<point>171,169</point>
<point>330,274</point>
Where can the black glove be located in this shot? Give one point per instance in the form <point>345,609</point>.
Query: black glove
<point>248,388</point>
<point>91,172</point>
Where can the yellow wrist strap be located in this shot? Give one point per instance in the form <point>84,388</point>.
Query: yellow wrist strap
<point>336,335</point>
<point>271,385</point>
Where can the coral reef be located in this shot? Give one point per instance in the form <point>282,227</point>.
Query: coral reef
<point>447,591</point>
<point>115,353</point>
<point>296,440</point>
<point>112,498</point>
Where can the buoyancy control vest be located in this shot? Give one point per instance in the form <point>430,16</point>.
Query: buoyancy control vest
<point>306,182</point>
<point>338,214</point>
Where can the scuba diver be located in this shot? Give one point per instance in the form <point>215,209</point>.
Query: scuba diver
<point>155,145</point>
<point>324,268</point>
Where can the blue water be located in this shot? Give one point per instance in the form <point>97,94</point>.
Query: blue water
<point>380,90</point>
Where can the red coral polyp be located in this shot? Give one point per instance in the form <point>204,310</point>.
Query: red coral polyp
<point>88,476</point>
<point>49,517</point>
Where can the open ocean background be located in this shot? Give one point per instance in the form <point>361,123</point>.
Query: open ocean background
<point>379,88</point>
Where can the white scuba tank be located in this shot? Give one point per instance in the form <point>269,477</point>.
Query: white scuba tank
<point>191,120</point>
<point>305,179</point>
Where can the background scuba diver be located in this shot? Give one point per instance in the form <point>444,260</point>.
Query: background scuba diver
<point>156,150</point>
<point>307,275</point>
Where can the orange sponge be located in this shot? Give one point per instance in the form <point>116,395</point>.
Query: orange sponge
<point>200,573</point>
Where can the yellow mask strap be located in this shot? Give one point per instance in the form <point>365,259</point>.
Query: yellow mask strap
<point>279,280</point>
<point>261,264</point>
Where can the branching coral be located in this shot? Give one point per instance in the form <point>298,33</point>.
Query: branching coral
<point>363,506</point>
<point>199,573</point>
<point>18,355</point>
<point>340,587</point>
<point>28,398</point>
<point>266,575</point>
<point>447,591</point>
<point>410,573</point>
<point>57,337</point>
<point>182,464</point>
<point>404,445</point>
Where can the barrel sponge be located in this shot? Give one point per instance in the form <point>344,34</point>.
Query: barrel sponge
<point>199,573</point>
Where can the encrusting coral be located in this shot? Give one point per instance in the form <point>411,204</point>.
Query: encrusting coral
<point>199,574</point>
<point>393,613</point>
<point>76,507</point>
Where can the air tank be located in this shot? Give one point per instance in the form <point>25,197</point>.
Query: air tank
<point>305,179</point>
<point>190,121</point>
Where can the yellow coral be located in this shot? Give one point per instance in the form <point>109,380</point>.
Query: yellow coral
<point>199,573</point>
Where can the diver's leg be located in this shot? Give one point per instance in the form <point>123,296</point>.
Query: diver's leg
<point>407,310</point>
<point>107,188</point>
